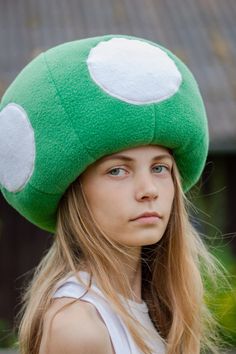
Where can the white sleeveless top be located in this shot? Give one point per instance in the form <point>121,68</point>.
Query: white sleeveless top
<point>121,339</point>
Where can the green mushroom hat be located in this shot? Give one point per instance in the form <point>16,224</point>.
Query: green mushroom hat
<point>88,98</point>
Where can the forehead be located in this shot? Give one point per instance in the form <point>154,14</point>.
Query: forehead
<point>145,150</point>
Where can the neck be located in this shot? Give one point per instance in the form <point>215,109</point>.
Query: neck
<point>136,282</point>
<point>132,267</point>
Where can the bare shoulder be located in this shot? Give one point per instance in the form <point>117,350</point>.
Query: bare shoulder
<point>74,327</point>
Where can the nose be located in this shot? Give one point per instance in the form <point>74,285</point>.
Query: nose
<point>146,188</point>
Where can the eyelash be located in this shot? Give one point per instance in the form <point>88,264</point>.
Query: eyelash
<point>120,168</point>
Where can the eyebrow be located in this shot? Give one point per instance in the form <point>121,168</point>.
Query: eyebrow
<point>127,158</point>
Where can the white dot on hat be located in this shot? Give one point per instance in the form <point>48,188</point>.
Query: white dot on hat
<point>133,71</point>
<point>17,148</point>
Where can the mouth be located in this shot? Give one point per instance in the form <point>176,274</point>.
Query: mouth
<point>149,217</point>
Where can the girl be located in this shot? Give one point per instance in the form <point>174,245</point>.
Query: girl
<point>100,140</point>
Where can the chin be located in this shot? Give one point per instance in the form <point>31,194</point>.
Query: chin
<point>151,241</point>
<point>151,237</point>
<point>145,241</point>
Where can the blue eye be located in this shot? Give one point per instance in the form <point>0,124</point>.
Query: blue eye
<point>160,167</point>
<point>115,169</point>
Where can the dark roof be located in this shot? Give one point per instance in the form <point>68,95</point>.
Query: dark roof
<point>202,33</point>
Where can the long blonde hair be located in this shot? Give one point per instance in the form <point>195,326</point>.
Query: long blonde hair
<point>172,276</point>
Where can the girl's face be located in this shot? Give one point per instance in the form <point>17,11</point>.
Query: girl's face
<point>122,186</point>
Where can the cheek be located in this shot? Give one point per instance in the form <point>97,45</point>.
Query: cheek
<point>103,204</point>
<point>168,196</point>
<point>171,193</point>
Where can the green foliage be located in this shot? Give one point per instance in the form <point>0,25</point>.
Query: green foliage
<point>7,336</point>
<point>222,300</point>
<point>211,216</point>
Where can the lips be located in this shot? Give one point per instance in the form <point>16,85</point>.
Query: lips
<point>147,214</point>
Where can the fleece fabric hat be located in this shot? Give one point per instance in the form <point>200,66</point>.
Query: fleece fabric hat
<point>85,99</point>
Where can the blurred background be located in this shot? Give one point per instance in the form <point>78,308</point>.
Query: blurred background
<point>203,34</point>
